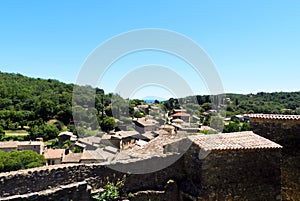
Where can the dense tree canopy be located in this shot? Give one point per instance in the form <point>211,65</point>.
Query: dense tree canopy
<point>16,160</point>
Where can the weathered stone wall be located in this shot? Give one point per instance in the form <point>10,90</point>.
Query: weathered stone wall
<point>282,131</point>
<point>285,132</point>
<point>237,175</point>
<point>222,175</point>
<point>74,191</point>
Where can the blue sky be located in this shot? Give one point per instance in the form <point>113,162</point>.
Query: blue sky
<point>255,45</point>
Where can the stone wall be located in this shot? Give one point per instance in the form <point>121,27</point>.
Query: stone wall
<point>236,175</point>
<point>285,132</point>
<point>222,175</point>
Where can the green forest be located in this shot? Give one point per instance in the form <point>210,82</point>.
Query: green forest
<point>43,107</point>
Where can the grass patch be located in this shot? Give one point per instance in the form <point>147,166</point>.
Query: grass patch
<point>16,132</point>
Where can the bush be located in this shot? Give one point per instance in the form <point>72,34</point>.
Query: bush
<point>112,190</point>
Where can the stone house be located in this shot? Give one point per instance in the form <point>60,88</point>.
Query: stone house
<point>181,115</point>
<point>146,124</point>
<point>37,146</point>
<point>9,146</point>
<point>124,139</point>
<point>66,135</point>
<point>91,143</point>
<point>54,156</point>
<point>72,158</point>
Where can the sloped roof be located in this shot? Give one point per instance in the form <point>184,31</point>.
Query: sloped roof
<point>180,114</point>
<point>30,143</point>
<point>72,158</point>
<point>53,153</point>
<point>91,155</point>
<point>68,134</point>
<point>161,132</point>
<point>148,135</point>
<point>145,122</point>
<point>274,116</point>
<point>9,144</point>
<point>231,141</point>
<point>125,134</point>
<point>90,140</point>
<point>15,144</point>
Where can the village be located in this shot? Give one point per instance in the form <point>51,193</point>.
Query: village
<point>145,135</point>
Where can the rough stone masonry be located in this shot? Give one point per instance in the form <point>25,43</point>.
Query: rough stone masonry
<point>284,130</point>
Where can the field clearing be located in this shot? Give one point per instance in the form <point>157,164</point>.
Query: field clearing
<point>16,132</point>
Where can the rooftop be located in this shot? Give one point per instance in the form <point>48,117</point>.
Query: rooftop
<point>15,144</point>
<point>90,140</point>
<point>68,134</point>
<point>9,144</point>
<point>125,134</point>
<point>274,116</point>
<point>72,158</point>
<point>53,153</point>
<point>180,114</point>
<point>161,132</point>
<point>30,143</point>
<point>92,155</point>
<point>146,122</point>
<point>231,141</point>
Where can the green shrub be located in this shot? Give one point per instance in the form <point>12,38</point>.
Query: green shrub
<point>112,190</point>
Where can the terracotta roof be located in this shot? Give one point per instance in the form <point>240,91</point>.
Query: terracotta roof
<point>230,141</point>
<point>91,156</point>
<point>177,121</point>
<point>166,126</point>
<point>9,144</point>
<point>15,144</point>
<point>72,158</point>
<point>54,153</point>
<point>86,155</point>
<point>274,116</point>
<point>154,147</point>
<point>124,134</point>
<point>146,122</point>
<point>203,128</point>
<point>148,135</point>
<point>161,132</point>
<point>180,114</point>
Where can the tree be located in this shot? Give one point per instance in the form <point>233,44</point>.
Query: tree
<point>206,106</point>
<point>2,133</point>
<point>108,124</point>
<point>46,131</point>
<point>138,114</point>
<point>231,127</point>
<point>15,160</point>
<point>245,126</point>
<point>45,109</point>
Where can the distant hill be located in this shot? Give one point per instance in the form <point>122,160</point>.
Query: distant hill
<point>152,99</point>
<point>28,102</point>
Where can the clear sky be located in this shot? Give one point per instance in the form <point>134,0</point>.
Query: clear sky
<point>255,45</point>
